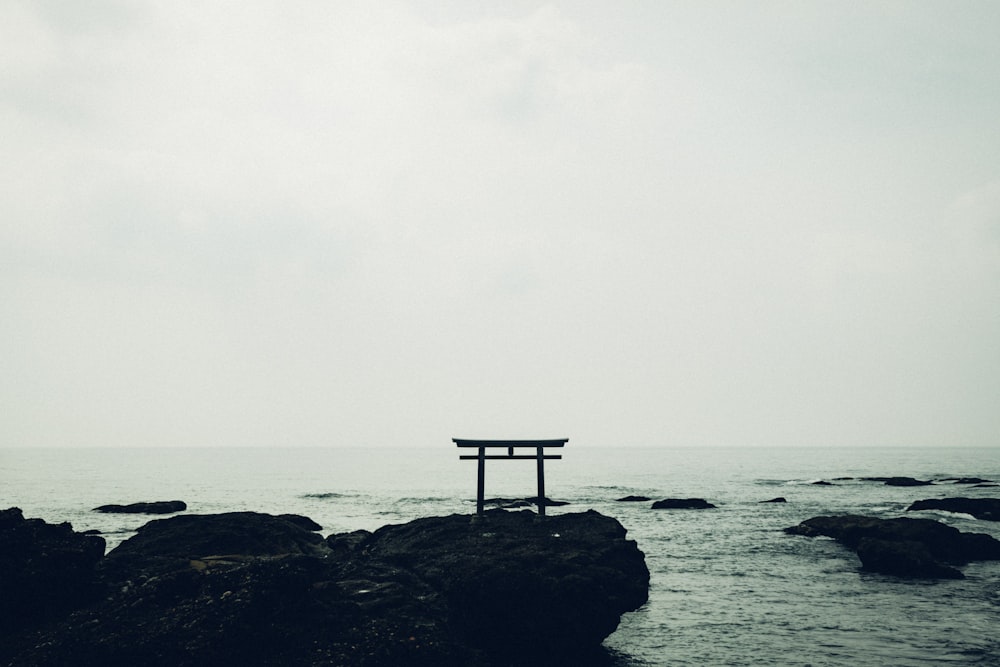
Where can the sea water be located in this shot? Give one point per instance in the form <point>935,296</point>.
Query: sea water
<point>727,587</point>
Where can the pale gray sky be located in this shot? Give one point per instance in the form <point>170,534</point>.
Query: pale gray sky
<point>635,223</point>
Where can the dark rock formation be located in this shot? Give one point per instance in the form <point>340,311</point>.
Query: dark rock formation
<point>986,509</point>
<point>897,481</point>
<point>633,499</point>
<point>157,507</point>
<point>342,543</point>
<point>902,558</point>
<point>516,585</point>
<point>967,480</point>
<point>301,521</point>
<point>906,481</point>
<point>46,571</point>
<point>253,589</point>
<point>903,547</point>
<point>822,482</point>
<point>682,504</point>
<point>775,500</point>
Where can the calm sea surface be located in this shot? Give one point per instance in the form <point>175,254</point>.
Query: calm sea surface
<point>728,587</point>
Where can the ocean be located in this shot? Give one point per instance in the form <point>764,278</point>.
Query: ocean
<point>727,587</point>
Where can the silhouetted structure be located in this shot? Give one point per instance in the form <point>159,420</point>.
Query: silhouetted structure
<point>510,445</point>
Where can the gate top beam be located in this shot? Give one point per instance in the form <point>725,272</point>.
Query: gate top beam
<point>510,445</point>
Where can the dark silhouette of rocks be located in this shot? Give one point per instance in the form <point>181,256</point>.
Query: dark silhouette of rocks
<point>46,571</point>
<point>967,480</point>
<point>633,499</point>
<point>898,481</point>
<point>822,482</point>
<point>903,547</point>
<point>775,500</point>
<point>157,507</point>
<point>682,504</point>
<point>301,521</point>
<point>986,509</point>
<point>255,589</point>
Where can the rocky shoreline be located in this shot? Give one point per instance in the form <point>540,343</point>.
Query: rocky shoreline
<point>257,589</point>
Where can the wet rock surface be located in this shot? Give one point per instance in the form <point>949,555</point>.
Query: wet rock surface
<point>255,589</point>
<point>157,507</point>
<point>898,481</point>
<point>682,504</point>
<point>903,547</point>
<point>986,509</point>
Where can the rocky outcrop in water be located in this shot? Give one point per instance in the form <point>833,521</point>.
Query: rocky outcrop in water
<point>633,499</point>
<point>255,589</point>
<point>967,480</point>
<point>156,507</point>
<point>986,509</point>
<point>682,504</point>
<point>903,547</point>
<point>898,481</point>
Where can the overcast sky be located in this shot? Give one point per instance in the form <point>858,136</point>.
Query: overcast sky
<point>626,223</point>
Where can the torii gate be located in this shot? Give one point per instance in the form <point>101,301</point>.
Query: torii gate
<point>510,445</point>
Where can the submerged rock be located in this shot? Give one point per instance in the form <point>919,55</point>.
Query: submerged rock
<point>682,504</point>
<point>967,480</point>
<point>986,509</point>
<point>903,547</point>
<point>897,481</point>
<point>157,507</point>
<point>775,500</point>
<point>633,499</point>
<point>516,503</point>
<point>906,481</point>
<point>246,588</point>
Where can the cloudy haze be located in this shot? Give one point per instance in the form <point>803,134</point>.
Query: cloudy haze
<point>649,223</point>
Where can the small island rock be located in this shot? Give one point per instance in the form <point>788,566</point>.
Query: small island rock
<point>682,504</point>
<point>985,509</point>
<point>157,507</point>
<point>903,547</point>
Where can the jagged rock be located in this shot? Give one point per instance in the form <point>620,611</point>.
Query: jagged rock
<point>46,571</point>
<point>157,507</point>
<point>682,504</point>
<point>341,543</point>
<point>517,585</point>
<point>940,545</point>
<point>986,509</point>
<point>244,588</point>
<point>902,558</point>
<point>633,499</point>
<point>301,521</point>
<point>775,500</point>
